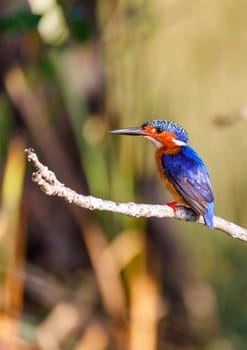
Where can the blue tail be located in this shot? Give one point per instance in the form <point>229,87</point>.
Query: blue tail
<point>209,216</point>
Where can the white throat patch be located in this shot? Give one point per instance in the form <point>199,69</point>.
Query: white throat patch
<point>156,143</point>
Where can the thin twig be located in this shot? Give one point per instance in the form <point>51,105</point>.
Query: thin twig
<point>49,183</point>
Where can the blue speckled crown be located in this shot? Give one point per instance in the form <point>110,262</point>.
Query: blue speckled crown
<point>164,125</point>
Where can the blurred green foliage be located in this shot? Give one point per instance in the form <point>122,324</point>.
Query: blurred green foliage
<point>18,21</point>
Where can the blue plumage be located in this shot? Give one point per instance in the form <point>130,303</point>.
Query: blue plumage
<point>189,176</point>
<point>209,215</point>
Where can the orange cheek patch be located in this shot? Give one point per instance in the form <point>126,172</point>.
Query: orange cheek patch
<point>166,138</point>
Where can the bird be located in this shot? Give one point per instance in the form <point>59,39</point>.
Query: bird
<point>181,170</point>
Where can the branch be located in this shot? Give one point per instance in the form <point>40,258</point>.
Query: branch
<point>48,182</point>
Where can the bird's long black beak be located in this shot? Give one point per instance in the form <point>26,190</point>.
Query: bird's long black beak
<point>129,131</point>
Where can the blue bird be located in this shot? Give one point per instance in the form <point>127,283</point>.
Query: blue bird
<point>180,168</point>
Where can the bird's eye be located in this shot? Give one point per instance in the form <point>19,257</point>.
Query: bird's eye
<point>158,130</point>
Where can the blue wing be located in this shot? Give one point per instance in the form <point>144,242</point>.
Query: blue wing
<point>189,176</point>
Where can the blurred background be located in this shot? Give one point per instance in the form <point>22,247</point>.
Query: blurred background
<point>69,72</point>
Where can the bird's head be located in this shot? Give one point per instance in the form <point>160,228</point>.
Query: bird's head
<point>161,133</point>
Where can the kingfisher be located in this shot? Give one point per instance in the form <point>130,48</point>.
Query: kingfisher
<point>180,168</point>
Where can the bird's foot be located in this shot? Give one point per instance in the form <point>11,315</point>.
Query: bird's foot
<point>173,206</point>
